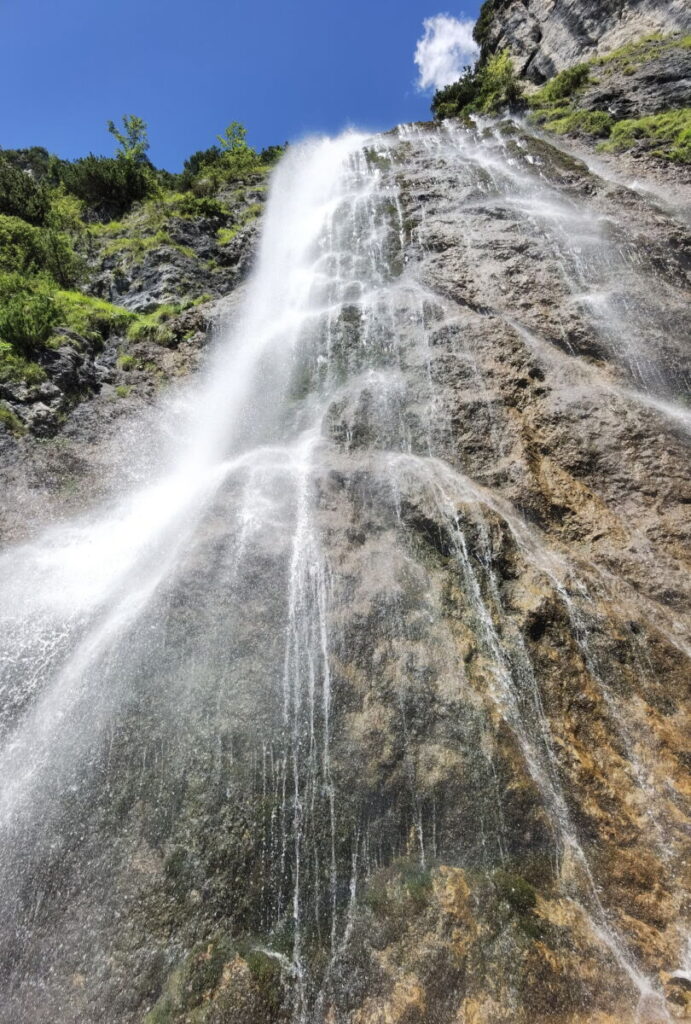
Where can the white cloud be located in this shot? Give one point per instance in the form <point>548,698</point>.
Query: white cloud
<point>444,50</point>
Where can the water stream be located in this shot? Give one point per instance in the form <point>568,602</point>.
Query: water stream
<point>200,684</point>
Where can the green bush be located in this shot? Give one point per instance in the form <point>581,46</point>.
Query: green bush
<point>14,367</point>
<point>270,155</point>
<point>516,891</point>
<point>484,89</point>
<point>133,140</point>
<point>197,163</point>
<point>153,326</point>
<point>190,205</point>
<point>562,86</point>
<point>92,318</point>
<point>27,321</point>
<point>44,167</point>
<point>20,195</point>
<point>22,246</point>
<point>484,21</point>
<point>108,186</point>
<point>30,250</point>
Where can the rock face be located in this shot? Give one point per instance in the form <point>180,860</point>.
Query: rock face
<point>194,271</point>
<point>546,36</point>
<point>653,87</point>
<point>385,720</point>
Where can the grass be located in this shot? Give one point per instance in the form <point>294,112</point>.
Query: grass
<point>669,133</point>
<point>154,326</point>
<point>91,317</point>
<point>666,135</point>
<point>640,51</point>
<point>15,368</point>
<point>563,86</point>
<point>226,235</point>
<point>597,123</point>
<point>11,422</point>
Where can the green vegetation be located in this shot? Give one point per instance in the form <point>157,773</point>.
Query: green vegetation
<point>250,213</point>
<point>563,86</point>
<point>516,891</point>
<point>155,326</point>
<point>492,85</point>
<point>487,12</point>
<point>597,123</point>
<point>195,990</point>
<point>641,51</point>
<point>670,133</point>
<point>556,105</point>
<point>14,367</point>
<point>108,185</point>
<point>93,318</point>
<point>26,321</point>
<point>62,222</point>
<point>10,421</point>
<point>20,195</point>
<point>485,89</point>
<point>133,140</point>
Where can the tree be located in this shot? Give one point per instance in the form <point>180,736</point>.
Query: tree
<point>238,158</point>
<point>133,141</point>
<point>233,139</point>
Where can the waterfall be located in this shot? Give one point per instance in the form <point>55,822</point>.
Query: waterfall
<point>297,656</point>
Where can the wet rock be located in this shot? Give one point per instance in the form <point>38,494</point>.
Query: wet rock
<point>491,823</point>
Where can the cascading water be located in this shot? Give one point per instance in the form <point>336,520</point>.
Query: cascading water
<point>336,645</point>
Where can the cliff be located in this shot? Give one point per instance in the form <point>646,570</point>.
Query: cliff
<point>547,36</point>
<point>383,721</point>
<point>344,627</point>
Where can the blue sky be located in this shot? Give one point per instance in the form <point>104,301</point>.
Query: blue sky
<point>285,69</point>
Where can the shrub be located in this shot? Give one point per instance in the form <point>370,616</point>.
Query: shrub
<point>92,318</point>
<point>516,891</point>
<point>108,186</point>
<point>43,167</point>
<point>562,86</point>
<point>196,163</point>
<point>484,22</point>
<point>499,86</point>
<point>14,367</point>
<point>27,320</point>
<point>200,206</point>
<point>153,326</point>
<point>20,195</point>
<point>484,89</point>
<point>272,154</point>
<point>30,250</point>
<point>22,246</point>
